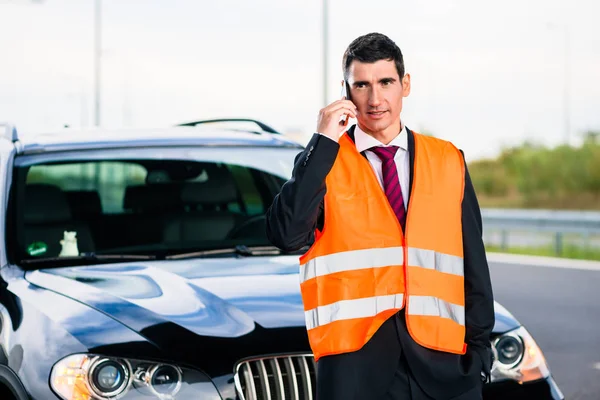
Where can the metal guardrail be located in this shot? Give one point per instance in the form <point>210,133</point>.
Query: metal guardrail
<point>556,222</point>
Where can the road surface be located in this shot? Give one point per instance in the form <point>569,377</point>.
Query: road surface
<point>560,307</point>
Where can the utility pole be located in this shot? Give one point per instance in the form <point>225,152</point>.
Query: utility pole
<point>566,108</point>
<point>325,37</point>
<point>97,77</point>
<point>564,28</point>
<point>97,60</point>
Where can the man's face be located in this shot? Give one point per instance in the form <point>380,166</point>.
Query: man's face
<point>377,91</point>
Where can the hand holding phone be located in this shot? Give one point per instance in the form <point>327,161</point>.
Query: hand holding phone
<point>346,96</point>
<point>330,121</point>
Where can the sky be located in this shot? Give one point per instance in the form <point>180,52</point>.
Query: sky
<point>485,75</point>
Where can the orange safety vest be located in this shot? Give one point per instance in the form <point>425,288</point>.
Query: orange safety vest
<point>362,268</point>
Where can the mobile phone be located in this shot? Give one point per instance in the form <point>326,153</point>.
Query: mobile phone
<point>346,94</point>
<point>346,91</point>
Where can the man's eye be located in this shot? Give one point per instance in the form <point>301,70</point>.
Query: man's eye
<point>386,83</point>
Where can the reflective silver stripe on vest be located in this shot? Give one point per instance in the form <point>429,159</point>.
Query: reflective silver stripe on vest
<point>349,309</point>
<point>351,260</point>
<point>429,305</point>
<point>433,260</point>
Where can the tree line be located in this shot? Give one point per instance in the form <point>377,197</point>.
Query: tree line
<point>535,176</point>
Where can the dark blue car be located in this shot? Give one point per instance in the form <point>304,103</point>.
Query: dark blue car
<point>135,265</point>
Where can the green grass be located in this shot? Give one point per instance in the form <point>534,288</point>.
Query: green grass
<point>569,251</point>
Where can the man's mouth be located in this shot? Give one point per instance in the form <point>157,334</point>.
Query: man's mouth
<point>376,114</point>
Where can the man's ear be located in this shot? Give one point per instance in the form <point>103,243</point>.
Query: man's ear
<point>406,85</point>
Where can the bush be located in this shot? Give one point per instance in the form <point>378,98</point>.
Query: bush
<point>540,177</point>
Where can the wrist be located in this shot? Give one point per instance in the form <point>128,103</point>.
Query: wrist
<point>327,136</point>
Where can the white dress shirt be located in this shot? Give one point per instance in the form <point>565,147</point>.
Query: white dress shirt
<point>365,141</point>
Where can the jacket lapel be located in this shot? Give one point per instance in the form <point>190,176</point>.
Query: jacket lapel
<point>351,135</point>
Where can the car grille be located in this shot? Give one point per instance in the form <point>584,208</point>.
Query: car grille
<point>287,377</point>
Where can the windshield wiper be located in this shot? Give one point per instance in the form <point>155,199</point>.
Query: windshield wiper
<point>239,250</point>
<point>89,257</point>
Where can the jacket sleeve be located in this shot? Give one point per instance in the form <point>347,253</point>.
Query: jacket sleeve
<point>292,217</point>
<point>479,298</point>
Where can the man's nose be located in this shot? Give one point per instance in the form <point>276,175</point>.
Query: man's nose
<point>374,97</point>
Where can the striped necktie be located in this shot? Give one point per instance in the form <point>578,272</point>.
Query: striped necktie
<point>391,183</point>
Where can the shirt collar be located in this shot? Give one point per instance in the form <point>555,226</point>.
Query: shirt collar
<point>364,141</point>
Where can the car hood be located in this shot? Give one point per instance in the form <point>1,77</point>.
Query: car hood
<point>215,297</point>
<point>245,301</point>
<point>245,305</point>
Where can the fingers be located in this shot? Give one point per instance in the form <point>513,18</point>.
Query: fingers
<point>337,103</point>
<point>330,118</point>
<point>346,111</point>
<point>344,122</point>
<point>340,109</point>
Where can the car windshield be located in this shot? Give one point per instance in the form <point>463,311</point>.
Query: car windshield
<point>142,202</point>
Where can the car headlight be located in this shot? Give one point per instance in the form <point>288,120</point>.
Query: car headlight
<point>108,377</point>
<point>93,377</point>
<point>517,357</point>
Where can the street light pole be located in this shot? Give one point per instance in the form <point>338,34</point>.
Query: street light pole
<point>97,59</point>
<point>566,108</point>
<point>566,71</point>
<point>325,50</point>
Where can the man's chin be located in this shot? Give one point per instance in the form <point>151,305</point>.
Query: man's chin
<point>372,127</point>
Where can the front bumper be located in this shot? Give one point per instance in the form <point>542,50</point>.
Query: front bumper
<point>544,389</point>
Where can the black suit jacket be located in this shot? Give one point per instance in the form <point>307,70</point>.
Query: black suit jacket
<point>291,220</point>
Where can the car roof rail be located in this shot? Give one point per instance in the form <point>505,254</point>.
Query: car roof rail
<point>9,131</point>
<point>261,125</point>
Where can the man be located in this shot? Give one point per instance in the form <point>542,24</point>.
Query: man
<point>396,287</point>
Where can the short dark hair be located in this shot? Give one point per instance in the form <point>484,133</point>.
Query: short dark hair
<point>370,48</point>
